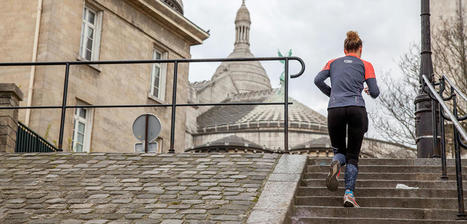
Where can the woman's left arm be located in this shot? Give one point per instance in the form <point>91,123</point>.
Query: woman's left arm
<point>372,87</point>
<point>370,79</point>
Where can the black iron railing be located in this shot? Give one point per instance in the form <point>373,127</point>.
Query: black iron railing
<point>29,141</point>
<point>174,104</point>
<point>445,114</point>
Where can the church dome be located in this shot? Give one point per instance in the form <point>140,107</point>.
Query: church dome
<point>247,75</point>
<point>259,117</point>
<point>176,5</point>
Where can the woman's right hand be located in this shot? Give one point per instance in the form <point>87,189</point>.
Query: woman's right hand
<point>366,90</point>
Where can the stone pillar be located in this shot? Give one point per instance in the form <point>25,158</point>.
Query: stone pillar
<point>10,96</point>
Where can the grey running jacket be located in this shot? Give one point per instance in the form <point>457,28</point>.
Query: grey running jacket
<point>347,77</point>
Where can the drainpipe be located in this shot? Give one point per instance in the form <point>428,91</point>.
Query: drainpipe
<point>34,58</point>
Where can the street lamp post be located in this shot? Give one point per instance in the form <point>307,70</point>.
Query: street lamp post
<point>423,104</point>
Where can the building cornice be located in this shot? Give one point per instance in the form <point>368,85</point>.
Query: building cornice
<point>174,20</point>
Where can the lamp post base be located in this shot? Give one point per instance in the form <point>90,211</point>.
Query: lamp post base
<point>424,127</point>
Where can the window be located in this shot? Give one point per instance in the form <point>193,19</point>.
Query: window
<point>158,76</point>
<point>82,130</point>
<point>90,34</point>
<point>153,147</point>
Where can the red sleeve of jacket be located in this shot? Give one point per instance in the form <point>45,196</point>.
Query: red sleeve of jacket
<point>369,70</point>
<point>328,65</point>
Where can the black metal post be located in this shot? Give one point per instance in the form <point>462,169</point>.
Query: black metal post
<point>435,126</point>
<point>36,143</point>
<point>146,144</point>
<point>442,88</point>
<point>460,189</point>
<point>286,106</point>
<point>62,117</point>
<point>174,107</point>
<point>28,143</point>
<point>423,120</point>
<point>444,175</point>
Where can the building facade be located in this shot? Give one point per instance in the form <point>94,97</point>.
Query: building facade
<point>448,23</point>
<point>91,30</point>
<point>259,128</point>
<point>447,9</point>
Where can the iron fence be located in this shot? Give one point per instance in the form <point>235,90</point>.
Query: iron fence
<point>459,133</point>
<point>64,106</point>
<point>29,141</point>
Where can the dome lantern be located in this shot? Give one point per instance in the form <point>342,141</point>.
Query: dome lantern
<point>242,27</point>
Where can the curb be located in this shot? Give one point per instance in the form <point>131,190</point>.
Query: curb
<point>275,203</point>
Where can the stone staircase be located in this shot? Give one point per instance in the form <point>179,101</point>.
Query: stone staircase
<point>434,202</point>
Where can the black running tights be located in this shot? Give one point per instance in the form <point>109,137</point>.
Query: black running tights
<point>350,122</point>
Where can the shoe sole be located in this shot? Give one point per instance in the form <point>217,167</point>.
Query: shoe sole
<point>348,204</point>
<point>331,181</point>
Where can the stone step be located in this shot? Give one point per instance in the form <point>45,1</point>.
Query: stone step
<point>434,202</point>
<point>333,220</point>
<point>388,212</point>
<point>451,184</point>
<point>378,201</point>
<point>389,169</point>
<point>410,162</point>
<point>386,176</point>
<point>380,192</point>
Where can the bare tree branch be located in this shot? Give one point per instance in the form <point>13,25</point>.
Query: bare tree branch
<point>395,118</point>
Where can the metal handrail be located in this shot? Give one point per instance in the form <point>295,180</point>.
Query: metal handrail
<point>458,132</point>
<point>451,83</point>
<point>139,105</point>
<point>451,116</point>
<point>174,104</point>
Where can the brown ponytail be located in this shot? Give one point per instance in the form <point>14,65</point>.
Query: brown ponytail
<point>353,41</point>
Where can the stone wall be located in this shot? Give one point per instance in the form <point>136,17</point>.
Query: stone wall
<point>17,37</point>
<point>274,140</point>
<point>371,148</point>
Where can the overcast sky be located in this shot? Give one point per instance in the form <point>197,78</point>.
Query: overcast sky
<point>315,30</point>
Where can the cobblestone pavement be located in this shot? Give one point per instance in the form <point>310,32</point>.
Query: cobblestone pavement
<point>131,188</point>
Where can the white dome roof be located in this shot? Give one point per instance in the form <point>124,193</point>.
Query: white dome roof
<point>301,117</point>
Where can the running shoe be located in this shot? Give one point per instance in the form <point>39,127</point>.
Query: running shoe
<point>334,171</point>
<point>349,200</point>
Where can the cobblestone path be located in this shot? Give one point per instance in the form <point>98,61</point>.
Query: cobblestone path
<point>131,188</point>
